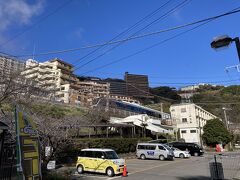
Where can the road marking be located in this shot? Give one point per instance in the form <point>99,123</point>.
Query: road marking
<point>91,176</point>
<point>153,167</point>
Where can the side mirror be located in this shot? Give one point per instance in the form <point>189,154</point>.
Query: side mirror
<point>102,157</point>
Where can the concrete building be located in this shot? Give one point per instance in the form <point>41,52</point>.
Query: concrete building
<point>54,75</point>
<point>136,85</point>
<point>117,86</point>
<point>190,120</point>
<point>85,92</point>
<point>9,65</point>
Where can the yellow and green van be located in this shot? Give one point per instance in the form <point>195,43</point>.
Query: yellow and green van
<point>99,160</point>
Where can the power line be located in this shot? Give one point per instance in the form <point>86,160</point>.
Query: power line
<point>128,29</point>
<point>164,98</point>
<point>143,50</point>
<point>179,83</point>
<point>36,23</point>
<point>145,27</point>
<point>216,103</point>
<point>135,37</point>
<point>167,77</point>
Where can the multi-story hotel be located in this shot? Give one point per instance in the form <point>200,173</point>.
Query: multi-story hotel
<point>190,120</point>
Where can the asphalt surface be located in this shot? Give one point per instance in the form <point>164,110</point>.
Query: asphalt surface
<point>194,168</point>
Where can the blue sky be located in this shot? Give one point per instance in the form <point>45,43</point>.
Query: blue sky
<point>185,59</point>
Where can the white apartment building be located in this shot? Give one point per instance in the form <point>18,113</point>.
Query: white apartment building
<point>57,76</point>
<point>10,65</point>
<point>190,120</point>
<point>54,75</point>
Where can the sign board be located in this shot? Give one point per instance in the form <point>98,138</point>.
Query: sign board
<point>48,151</point>
<point>51,165</point>
<point>28,149</point>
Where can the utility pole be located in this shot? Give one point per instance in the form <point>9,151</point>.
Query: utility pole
<point>226,122</point>
<point>225,117</point>
<point>161,105</point>
<point>200,131</point>
<point>237,43</point>
<point>107,97</point>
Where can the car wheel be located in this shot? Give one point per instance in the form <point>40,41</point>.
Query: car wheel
<point>181,155</point>
<point>162,158</point>
<point>110,172</point>
<point>143,156</point>
<point>80,169</point>
<point>195,154</point>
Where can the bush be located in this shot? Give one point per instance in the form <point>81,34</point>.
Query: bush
<point>120,145</point>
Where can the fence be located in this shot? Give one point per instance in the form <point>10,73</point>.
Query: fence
<point>223,166</point>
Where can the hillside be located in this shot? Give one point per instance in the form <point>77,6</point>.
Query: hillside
<point>213,100</point>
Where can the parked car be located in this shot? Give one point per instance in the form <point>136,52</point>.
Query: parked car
<point>100,160</point>
<point>194,149</point>
<point>154,151</point>
<point>180,154</point>
<point>161,141</point>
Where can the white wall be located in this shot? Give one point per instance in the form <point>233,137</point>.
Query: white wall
<point>190,120</point>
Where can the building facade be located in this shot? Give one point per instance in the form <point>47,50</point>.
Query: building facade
<point>57,76</point>
<point>85,92</point>
<point>117,86</point>
<point>136,85</point>
<point>54,75</point>
<point>190,120</point>
<point>10,65</point>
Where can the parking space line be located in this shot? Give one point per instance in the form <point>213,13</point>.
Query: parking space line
<point>153,167</point>
<point>91,176</point>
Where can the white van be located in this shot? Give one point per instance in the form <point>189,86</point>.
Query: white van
<point>154,151</point>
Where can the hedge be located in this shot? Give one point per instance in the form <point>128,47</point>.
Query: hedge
<point>120,145</point>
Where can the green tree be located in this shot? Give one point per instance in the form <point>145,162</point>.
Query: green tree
<point>215,132</point>
<point>165,91</point>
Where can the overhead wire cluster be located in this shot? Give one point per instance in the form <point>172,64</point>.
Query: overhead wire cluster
<point>134,36</point>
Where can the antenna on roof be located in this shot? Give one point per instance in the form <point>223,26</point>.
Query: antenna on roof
<point>34,49</point>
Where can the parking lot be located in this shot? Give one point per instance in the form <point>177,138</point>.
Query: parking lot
<point>194,168</point>
<point>181,169</point>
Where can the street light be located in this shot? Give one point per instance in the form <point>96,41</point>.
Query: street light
<point>224,41</point>
<point>225,116</point>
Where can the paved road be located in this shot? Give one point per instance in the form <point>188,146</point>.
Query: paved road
<point>195,168</point>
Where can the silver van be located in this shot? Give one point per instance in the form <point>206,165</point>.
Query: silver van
<point>154,151</point>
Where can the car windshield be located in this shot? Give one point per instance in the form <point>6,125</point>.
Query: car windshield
<point>176,149</point>
<point>111,155</point>
<point>167,147</point>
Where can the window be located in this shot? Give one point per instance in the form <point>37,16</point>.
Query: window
<point>161,148</point>
<point>184,120</point>
<point>192,131</point>
<point>150,147</point>
<point>97,154</point>
<point>89,154</point>
<point>141,147</point>
<point>111,155</point>
<point>183,131</point>
<point>82,154</point>
<point>183,110</point>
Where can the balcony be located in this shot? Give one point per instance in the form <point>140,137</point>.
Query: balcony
<point>65,67</point>
<point>46,76</point>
